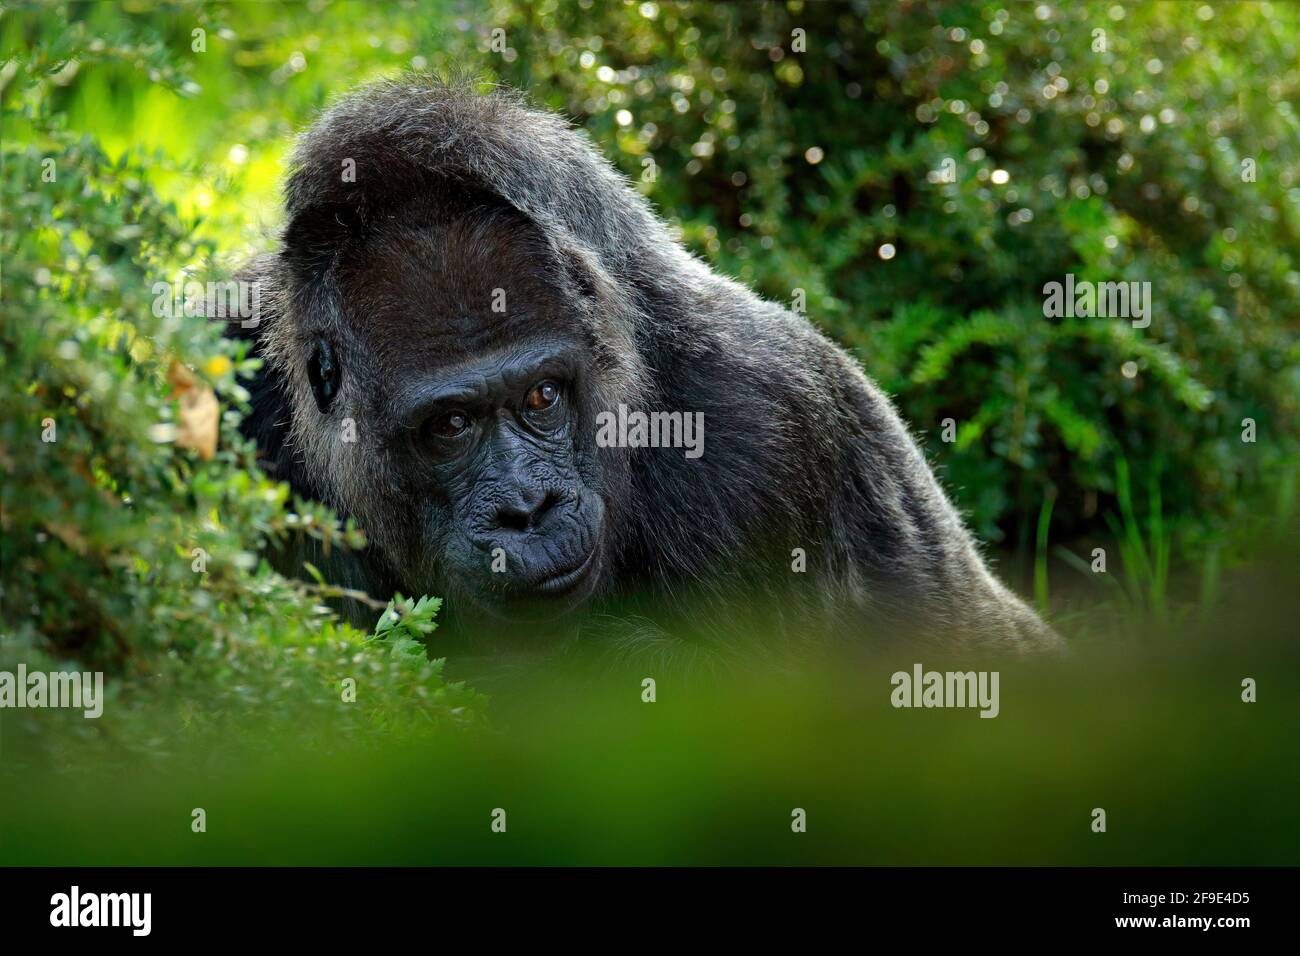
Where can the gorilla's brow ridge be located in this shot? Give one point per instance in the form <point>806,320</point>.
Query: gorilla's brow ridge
<point>497,379</point>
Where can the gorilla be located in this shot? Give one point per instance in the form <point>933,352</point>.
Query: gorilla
<point>464,289</point>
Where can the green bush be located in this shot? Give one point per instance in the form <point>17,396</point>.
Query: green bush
<point>168,126</point>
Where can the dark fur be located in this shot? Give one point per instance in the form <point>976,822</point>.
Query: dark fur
<point>801,450</point>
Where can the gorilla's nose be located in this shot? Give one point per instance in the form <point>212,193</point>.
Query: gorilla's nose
<point>523,510</point>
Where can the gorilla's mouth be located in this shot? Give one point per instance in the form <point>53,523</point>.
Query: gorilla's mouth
<point>567,579</point>
<point>550,596</point>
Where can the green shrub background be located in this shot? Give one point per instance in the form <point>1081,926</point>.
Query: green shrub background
<point>789,170</point>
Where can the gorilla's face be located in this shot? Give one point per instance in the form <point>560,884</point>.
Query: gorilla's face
<point>459,359</point>
<point>498,439</point>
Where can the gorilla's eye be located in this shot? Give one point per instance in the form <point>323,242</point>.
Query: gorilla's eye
<point>449,424</point>
<point>324,374</point>
<point>543,396</point>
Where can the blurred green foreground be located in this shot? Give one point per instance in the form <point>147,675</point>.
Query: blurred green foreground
<point>1153,730</point>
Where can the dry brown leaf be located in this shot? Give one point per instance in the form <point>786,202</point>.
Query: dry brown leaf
<point>200,412</point>
<point>69,535</point>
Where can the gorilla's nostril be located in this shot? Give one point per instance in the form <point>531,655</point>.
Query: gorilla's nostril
<point>525,510</point>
